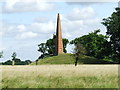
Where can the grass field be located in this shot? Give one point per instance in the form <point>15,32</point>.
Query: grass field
<point>60,76</point>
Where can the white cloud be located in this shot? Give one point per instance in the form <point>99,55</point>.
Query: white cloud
<point>47,27</point>
<point>1,46</point>
<point>26,35</point>
<point>12,6</point>
<point>80,21</point>
<point>92,21</point>
<point>41,19</point>
<point>81,13</point>
<point>21,28</point>
<point>26,31</point>
<point>1,33</point>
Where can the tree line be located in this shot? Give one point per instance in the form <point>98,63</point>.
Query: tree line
<point>15,60</point>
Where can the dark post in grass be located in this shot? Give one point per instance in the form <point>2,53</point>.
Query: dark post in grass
<point>76,60</point>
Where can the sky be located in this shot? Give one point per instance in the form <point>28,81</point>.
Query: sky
<point>24,25</point>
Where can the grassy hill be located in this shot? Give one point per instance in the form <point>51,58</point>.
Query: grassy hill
<point>69,59</point>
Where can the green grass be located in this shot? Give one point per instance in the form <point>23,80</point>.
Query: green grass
<point>60,59</point>
<point>60,76</point>
<point>69,59</point>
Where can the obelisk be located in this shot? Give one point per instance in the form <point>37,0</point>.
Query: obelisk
<point>59,42</point>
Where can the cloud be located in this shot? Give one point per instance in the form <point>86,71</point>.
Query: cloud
<point>25,35</point>
<point>2,47</point>
<point>41,19</point>
<point>43,28</point>
<point>1,34</point>
<point>21,28</point>
<point>81,13</point>
<point>119,4</point>
<point>78,23</point>
<point>27,31</point>
<point>84,3</point>
<point>13,6</point>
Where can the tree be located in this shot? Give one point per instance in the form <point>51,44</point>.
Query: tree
<point>27,62</point>
<point>65,42</point>
<point>94,43</point>
<point>50,43</point>
<point>1,54</point>
<point>13,57</point>
<point>50,46</point>
<point>42,48</point>
<point>78,51</point>
<point>8,62</point>
<point>112,24</point>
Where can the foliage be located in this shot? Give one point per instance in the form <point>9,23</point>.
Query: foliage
<point>48,48</point>
<point>79,50</point>
<point>50,43</point>
<point>1,54</point>
<point>42,48</point>
<point>96,45</point>
<point>65,42</point>
<point>112,24</point>
<point>17,62</point>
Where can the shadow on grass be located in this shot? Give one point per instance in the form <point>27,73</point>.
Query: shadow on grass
<point>92,60</point>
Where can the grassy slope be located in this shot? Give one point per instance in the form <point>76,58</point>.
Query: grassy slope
<point>68,59</point>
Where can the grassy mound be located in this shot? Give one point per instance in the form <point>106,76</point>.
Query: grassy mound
<point>60,59</point>
<point>69,59</point>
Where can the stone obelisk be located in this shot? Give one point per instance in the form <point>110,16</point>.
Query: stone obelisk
<point>59,42</point>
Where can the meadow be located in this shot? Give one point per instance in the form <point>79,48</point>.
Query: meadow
<point>60,76</point>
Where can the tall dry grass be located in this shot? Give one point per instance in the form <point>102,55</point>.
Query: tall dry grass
<point>60,76</point>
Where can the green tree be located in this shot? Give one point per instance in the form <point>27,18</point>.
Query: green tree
<point>50,46</point>
<point>42,48</point>
<point>78,51</point>
<point>94,43</point>
<point>1,54</point>
<point>13,57</point>
<point>112,24</point>
<point>50,43</point>
<point>65,42</point>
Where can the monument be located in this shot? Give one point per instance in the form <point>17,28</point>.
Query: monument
<point>59,42</point>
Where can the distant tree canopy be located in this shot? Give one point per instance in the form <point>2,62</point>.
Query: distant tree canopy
<point>1,54</point>
<point>17,62</point>
<point>48,48</point>
<point>112,24</point>
<point>96,45</point>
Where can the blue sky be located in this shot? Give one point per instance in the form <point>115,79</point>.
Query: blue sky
<point>26,24</point>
